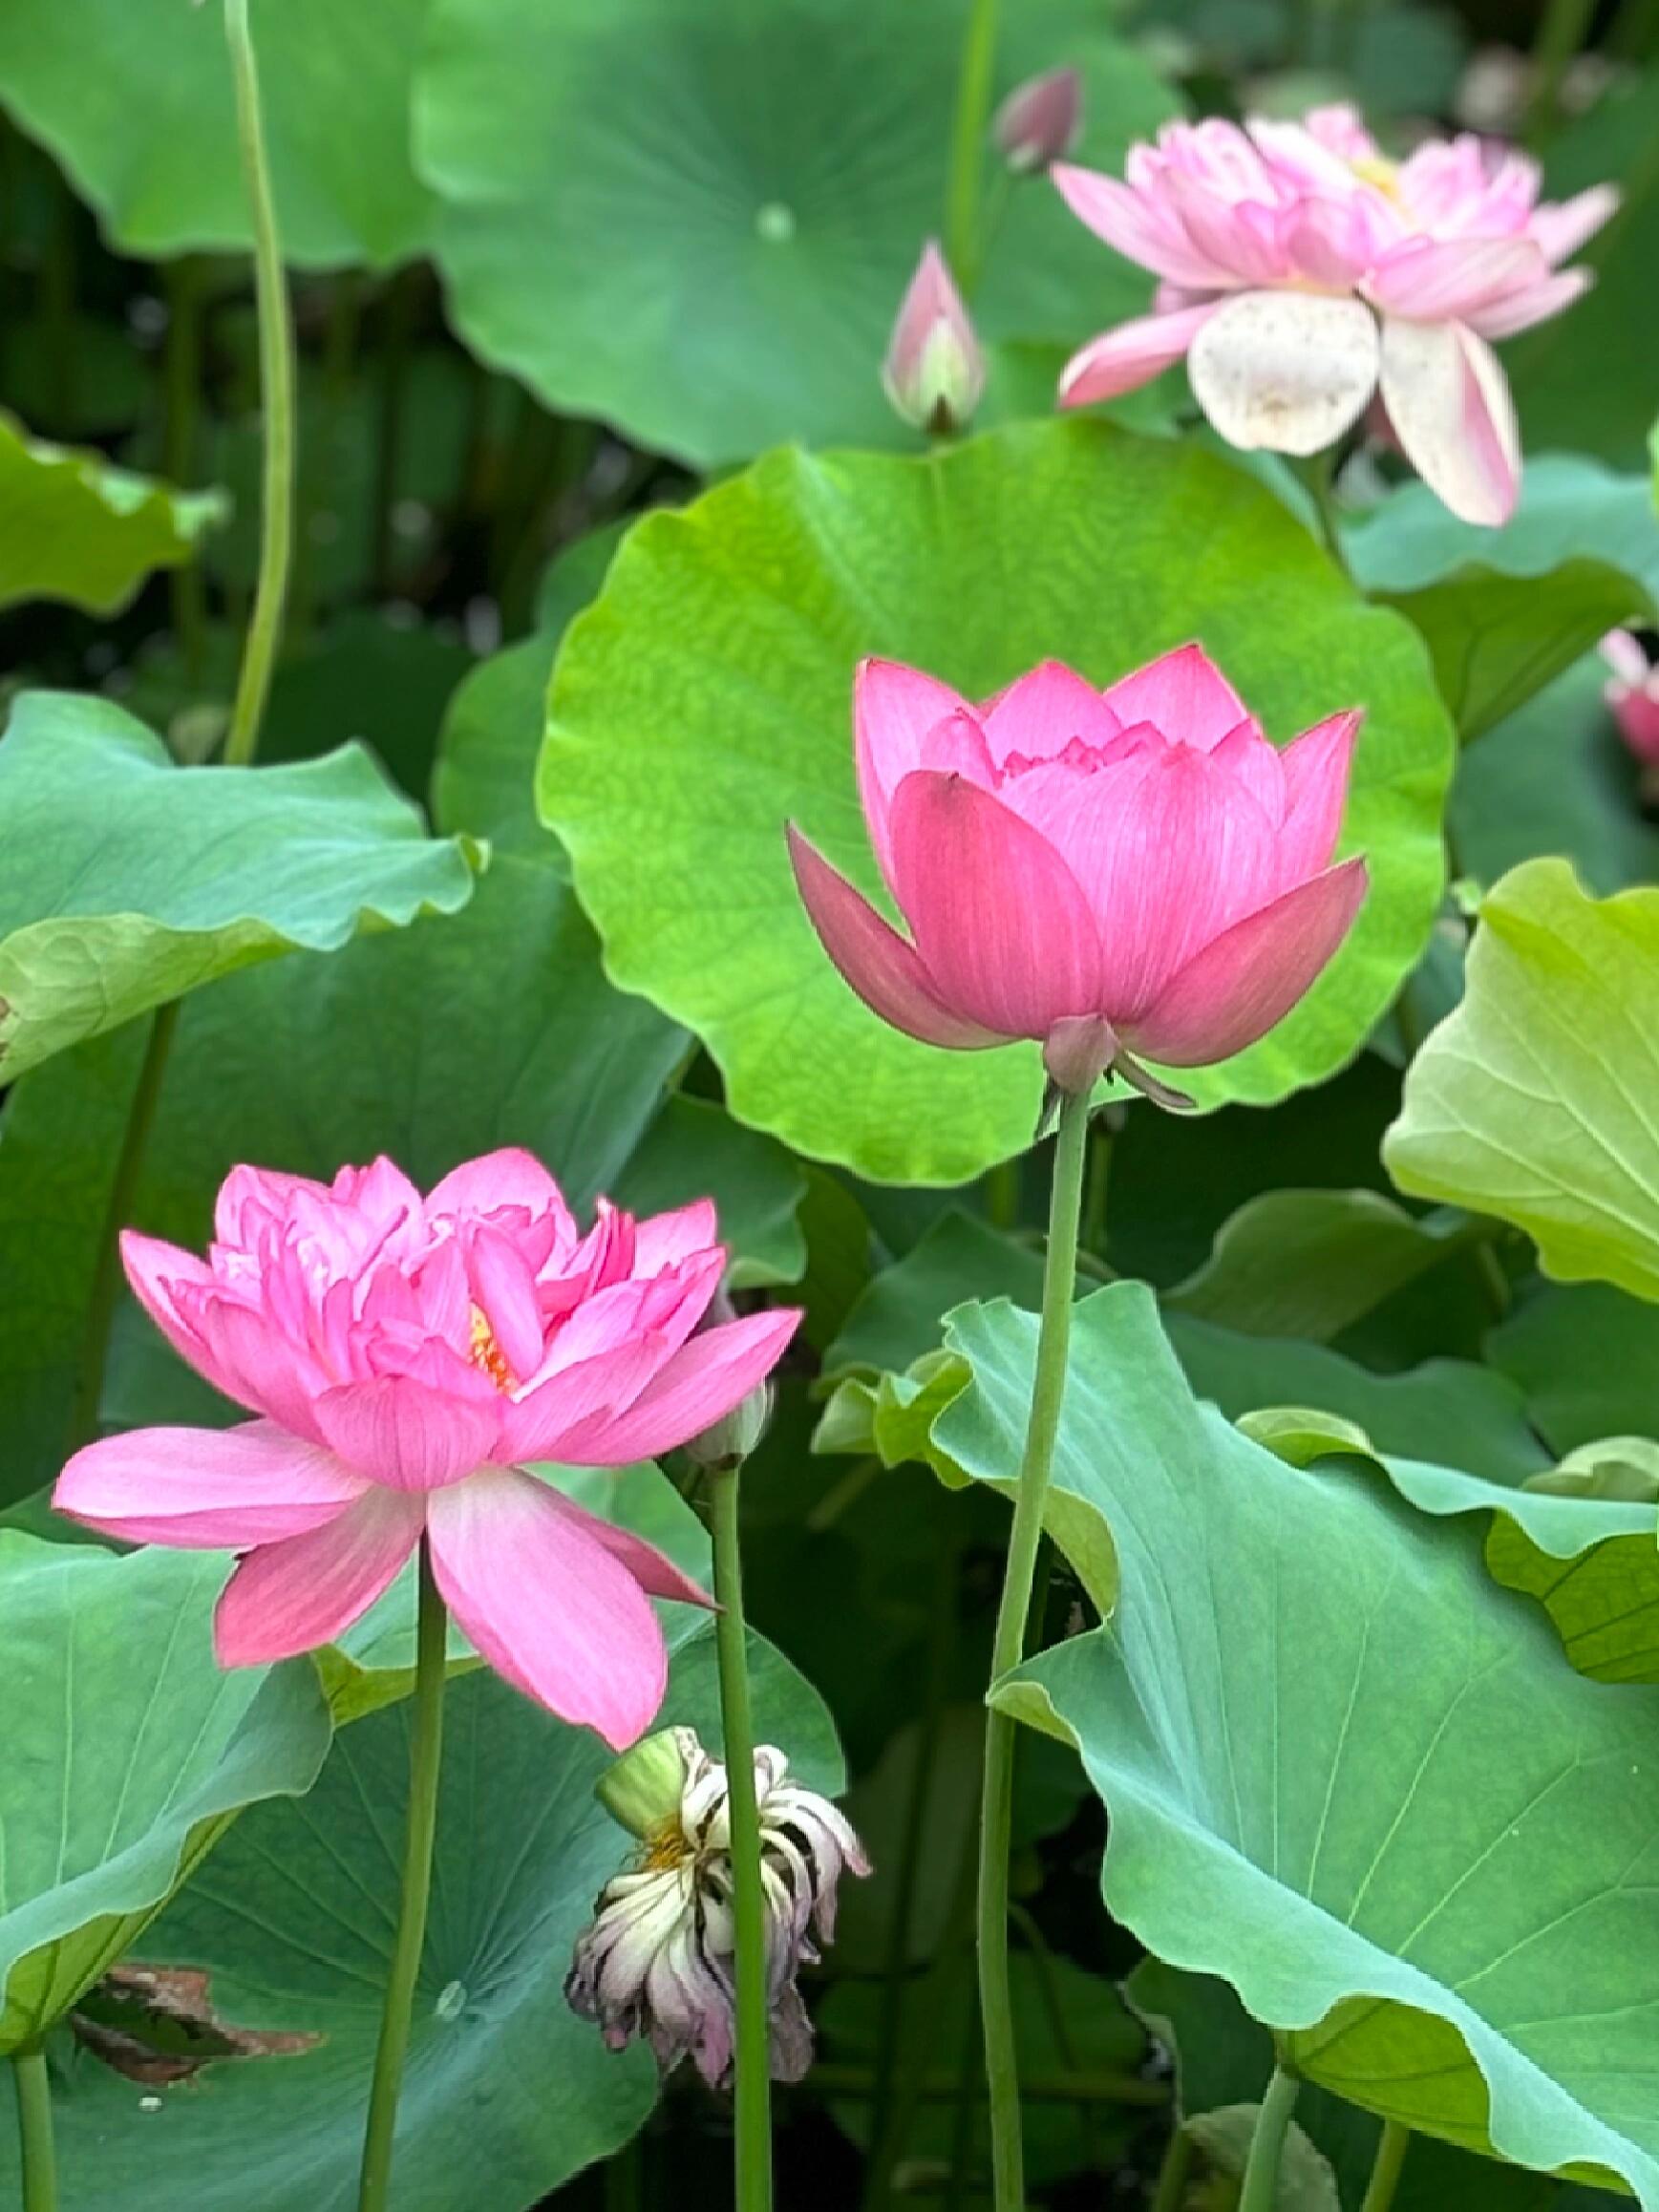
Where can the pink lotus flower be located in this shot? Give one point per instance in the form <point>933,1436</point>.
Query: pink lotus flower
<point>934,373</point>
<point>404,1355</point>
<point>1302,272</point>
<point>1633,694</point>
<point>1137,871</point>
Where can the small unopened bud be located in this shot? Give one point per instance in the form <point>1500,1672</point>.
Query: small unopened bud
<point>1039,121</point>
<point>934,373</point>
<point>1632,697</point>
<point>642,1789</point>
<point>726,1443</point>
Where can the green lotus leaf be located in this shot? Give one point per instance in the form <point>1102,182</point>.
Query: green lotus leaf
<point>77,529</point>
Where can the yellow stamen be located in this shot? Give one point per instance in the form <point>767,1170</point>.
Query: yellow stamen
<point>484,1352</point>
<point>1382,174</point>
<point>666,1849</point>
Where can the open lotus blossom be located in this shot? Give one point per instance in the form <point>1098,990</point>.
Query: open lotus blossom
<point>405,1357</point>
<point>1303,272</point>
<point>1118,874</point>
<point>656,1960</point>
<point>1633,694</point>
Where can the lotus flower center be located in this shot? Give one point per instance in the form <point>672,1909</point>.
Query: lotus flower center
<point>485,1352</point>
<point>666,1849</point>
<point>1381,174</point>
<point>1079,754</point>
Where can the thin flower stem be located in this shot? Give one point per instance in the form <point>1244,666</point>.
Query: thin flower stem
<point>425,1753</point>
<point>1318,479</point>
<point>178,461</point>
<point>1395,2141</point>
<point>1562,31</point>
<point>1170,2193</point>
<point>996,1811</point>
<point>276,378</point>
<point>39,2157</point>
<point>106,1282</point>
<point>974,90</point>
<point>754,2032</point>
<point>1260,2187</point>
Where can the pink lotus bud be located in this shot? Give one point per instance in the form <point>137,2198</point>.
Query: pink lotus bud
<point>1039,121</point>
<point>1633,694</point>
<point>1121,874</point>
<point>1302,273</point>
<point>656,1960</point>
<point>934,373</point>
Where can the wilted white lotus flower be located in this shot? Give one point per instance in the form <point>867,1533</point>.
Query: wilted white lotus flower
<point>656,1960</point>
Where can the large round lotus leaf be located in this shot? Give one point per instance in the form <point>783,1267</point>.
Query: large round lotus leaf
<point>1344,1770</point>
<point>697,222</point>
<point>507,2092</point>
<point>134,97</point>
<point>706,697</point>
<point>128,1752</point>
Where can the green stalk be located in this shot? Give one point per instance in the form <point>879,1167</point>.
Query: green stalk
<point>276,380</point>
<point>106,1282</point>
<point>974,89</point>
<point>183,385</point>
<point>424,1755</point>
<point>1562,31</point>
<point>996,1810</point>
<point>754,2030</point>
<point>1170,2192</point>
<point>35,2129</point>
<point>1261,2190</point>
<point>1391,2147</point>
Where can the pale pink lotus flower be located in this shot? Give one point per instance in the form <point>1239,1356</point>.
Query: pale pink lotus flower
<point>1118,874</point>
<point>1302,272</point>
<point>1039,121</point>
<point>1632,694</point>
<point>406,1355</point>
<point>934,373</point>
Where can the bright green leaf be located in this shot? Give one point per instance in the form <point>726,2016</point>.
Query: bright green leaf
<point>706,697</point>
<point>130,880</point>
<point>77,529</point>
<point>1380,1856</point>
<point>128,1754</point>
<point>1530,1101</point>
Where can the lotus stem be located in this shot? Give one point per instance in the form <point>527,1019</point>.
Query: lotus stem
<point>996,1810</point>
<point>973,91</point>
<point>1260,2187</point>
<point>276,381</point>
<point>39,2156</point>
<point>424,1756</point>
<point>1395,2141</point>
<point>754,2010</point>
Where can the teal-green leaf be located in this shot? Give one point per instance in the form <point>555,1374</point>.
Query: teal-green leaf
<point>699,227</point>
<point>1535,1101</point>
<point>77,529</point>
<point>1433,1879</point>
<point>128,1752</point>
<point>293,1922</point>
<point>130,880</point>
<point>149,132</point>
<point>705,698</point>
<point>1586,1357</point>
<point>1506,611</point>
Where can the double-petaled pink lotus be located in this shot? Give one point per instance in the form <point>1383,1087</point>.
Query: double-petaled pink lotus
<point>1127,874</point>
<point>1302,273</point>
<point>406,1355</point>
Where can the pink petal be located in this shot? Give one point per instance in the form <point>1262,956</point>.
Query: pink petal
<point>1284,371</point>
<point>1133,354</point>
<point>1448,403</point>
<point>251,1196</point>
<point>1536,303</point>
<point>655,1573</point>
<point>1039,713</point>
<point>1255,765</point>
<point>495,1181</point>
<point>154,1270</point>
<point>886,973</point>
<point>252,1360</point>
<point>660,1240</point>
<point>1317,766</point>
<point>1136,226</point>
<point>1563,226</point>
<point>403,1431</point>
<point>1249,978</point>
<point>894,709</point>
<point>706,1378</point>
<point>1183,693</point>
<point>546,1605</point>
<point>1330,241</point>
<point>205,1489</point>
<point>1239,236</point>
<point>545,1421</point>
<point>1624,657</point>
<point>503,1287</point>
<point>1004,932</point>
<point>1432,279</point>
<point>293,1596</point>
